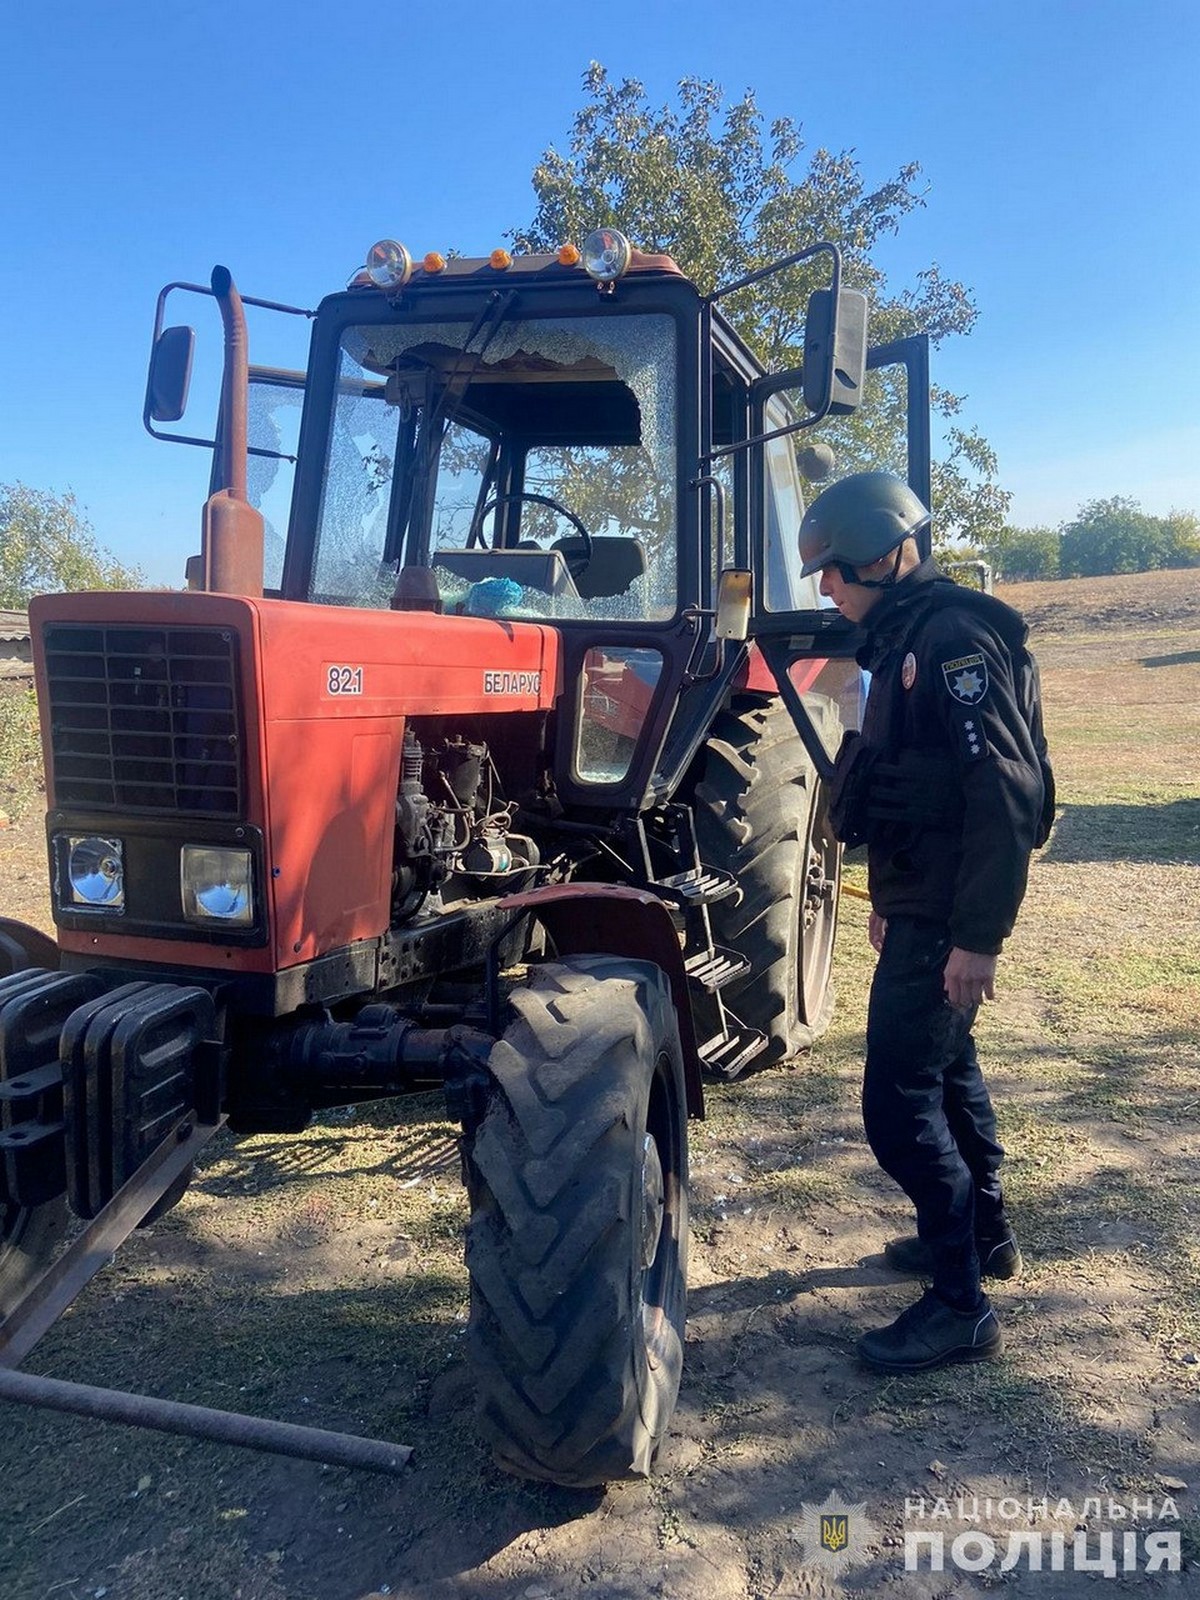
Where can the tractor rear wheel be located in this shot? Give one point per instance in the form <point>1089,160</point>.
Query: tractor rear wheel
<point>29,1239</point>
<point>761,813</point>
<point>577,1244</point>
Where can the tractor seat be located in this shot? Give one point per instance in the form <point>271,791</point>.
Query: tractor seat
<point>616,565</point>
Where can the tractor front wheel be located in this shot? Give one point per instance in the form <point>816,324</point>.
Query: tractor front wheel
<point>577,1244</point>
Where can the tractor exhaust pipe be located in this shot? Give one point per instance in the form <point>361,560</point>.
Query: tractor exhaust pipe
<point>234,383</point>
<point>231,547</point>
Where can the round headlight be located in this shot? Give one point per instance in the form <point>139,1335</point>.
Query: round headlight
<point>389,265</point>
<point>606,254</point>
<point>96,871</point>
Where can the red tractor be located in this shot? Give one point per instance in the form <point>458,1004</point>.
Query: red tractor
<point>485,775</point>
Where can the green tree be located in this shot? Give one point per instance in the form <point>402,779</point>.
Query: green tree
<point>47,545</point>
<point>1113,535</point>
<point>724,195</point>
<point>1020,553</point>
<point>1181,539</point>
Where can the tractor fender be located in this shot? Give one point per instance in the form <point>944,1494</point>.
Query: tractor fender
<point>605,919</point>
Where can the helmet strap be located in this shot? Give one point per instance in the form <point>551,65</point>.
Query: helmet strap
<point>848,574</point>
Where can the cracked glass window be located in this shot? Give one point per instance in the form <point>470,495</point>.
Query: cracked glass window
<point>471,447</point>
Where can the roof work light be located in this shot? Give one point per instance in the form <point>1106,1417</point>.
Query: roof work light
<point>389,265</point>
<point>606,255</point>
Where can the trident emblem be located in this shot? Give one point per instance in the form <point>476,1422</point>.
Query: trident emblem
<point>835,1532</point>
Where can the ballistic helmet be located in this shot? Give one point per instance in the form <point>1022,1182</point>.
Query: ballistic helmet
<point>859,519</point>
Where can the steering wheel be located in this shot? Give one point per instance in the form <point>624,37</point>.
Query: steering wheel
<point>577,559</point>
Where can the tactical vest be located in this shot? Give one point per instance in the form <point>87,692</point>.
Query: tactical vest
<point>877,786</point>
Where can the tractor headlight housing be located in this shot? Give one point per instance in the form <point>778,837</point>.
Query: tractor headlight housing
<point>389,264</point>
<point>95,872</point>
<point>217,885</point>
<point>606,255</point>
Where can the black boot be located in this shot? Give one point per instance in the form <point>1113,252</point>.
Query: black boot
<point>932,1334</point>
<point>999,1257</point>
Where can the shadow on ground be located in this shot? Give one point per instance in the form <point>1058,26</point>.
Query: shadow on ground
<point>1128,833</point>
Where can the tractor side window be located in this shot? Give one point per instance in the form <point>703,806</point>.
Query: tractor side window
<point>783,504</point>
<point>273,423</point>
<point>729,395</point>
<point>618,687</point>
<point>357,491</point>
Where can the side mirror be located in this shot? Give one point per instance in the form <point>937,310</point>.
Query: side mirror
<point>835,350</point>
<point>170,374</point>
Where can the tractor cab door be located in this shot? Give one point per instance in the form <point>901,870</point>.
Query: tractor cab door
<point>807,644</point>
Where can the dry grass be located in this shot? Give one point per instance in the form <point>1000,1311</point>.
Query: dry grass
<point>320,1278</point>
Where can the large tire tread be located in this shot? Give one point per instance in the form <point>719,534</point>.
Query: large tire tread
<point>754,801</point>
<point>551,1174</point>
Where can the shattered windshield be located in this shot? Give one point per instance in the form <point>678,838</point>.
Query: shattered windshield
<point>533,468</point>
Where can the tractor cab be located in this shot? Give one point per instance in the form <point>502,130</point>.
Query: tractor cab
<point>579,440</point>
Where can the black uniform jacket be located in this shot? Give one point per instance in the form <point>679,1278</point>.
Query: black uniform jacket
<point>959,789</point>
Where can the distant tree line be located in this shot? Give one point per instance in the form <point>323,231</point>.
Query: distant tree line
<point>1106,536</point>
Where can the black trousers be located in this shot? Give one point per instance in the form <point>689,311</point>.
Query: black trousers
<point>926,1109</point>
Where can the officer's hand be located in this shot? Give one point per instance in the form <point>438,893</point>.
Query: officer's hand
<point>969,978</point>
<point>876,931</point>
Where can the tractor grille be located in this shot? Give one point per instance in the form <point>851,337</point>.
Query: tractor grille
<point>145,719</point>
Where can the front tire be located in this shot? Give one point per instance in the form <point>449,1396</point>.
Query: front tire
<point>762,814</point>
<point>577,1244</point>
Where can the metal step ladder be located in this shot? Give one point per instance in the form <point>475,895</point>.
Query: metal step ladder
<point>709,966</point>
<point>727,1054</point>
<point>698,886</point>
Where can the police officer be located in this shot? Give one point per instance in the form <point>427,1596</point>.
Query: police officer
<point>949,787</point>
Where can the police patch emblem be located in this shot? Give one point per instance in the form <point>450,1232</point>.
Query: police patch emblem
<point>908,670</point>
<point>966,679</point>
<point>835,1535</point>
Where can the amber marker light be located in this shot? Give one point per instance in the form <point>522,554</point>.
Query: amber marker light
<point>568,255</point>
<point>433,262</point>
<point>500,259</point>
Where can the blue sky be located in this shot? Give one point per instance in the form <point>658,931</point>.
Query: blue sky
<point>141,143</point>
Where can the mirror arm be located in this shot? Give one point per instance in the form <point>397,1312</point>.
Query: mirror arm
<point>763,438</point>
<point>778,266</point>
<point>159,315</point>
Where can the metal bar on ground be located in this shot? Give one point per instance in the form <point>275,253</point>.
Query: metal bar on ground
<point>201,1422</point>
<point>46,1300</point>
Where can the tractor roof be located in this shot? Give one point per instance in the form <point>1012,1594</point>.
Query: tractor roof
<point>502,264</point>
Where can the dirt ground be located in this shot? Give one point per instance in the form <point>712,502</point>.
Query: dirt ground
<point>320,1279</point>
